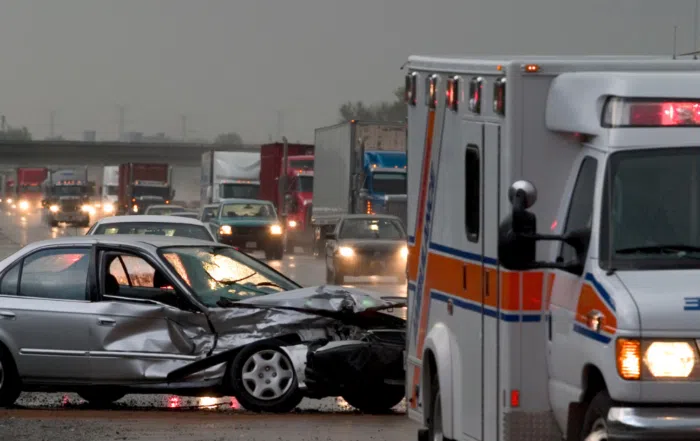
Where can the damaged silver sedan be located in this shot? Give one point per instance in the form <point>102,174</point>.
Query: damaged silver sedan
<point>105,316</point>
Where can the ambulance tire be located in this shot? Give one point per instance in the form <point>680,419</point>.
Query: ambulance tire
<point>596,414</point>
<point>377,400</point>
<point>435,417</point>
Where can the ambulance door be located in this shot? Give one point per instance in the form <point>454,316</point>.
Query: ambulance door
<point>471,325</point>
<point>490,289</point>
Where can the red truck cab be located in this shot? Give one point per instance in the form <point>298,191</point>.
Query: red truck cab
<point>297,196</point>
<point>28,191</point>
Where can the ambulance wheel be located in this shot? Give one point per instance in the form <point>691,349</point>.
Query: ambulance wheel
<point>595,420</point>
<point>379,399</point>
<point>435,418</point>
<point>264,379</point>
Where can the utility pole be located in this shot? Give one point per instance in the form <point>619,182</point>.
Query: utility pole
<point>183,122</point>
<point>52,124</point>
<point>280,123</point>
<point>122,111</point>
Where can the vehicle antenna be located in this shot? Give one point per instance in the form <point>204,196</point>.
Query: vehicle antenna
<point>609,178</point>
<point>675,31</point>
<point>695,31</point>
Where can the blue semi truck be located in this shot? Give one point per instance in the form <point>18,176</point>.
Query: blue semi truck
<point>359,167</point>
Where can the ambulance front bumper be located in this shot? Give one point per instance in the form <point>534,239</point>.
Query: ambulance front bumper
<point>653,423</point>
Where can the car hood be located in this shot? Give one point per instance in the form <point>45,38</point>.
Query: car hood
<point>667,300</point>
<point>301,311</point>
<point>373,244</point>
<point>248,222</point>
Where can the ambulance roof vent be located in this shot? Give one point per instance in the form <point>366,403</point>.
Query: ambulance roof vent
<point>576,101</point>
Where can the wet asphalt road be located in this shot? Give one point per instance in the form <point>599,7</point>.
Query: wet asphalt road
<point>155,417</point>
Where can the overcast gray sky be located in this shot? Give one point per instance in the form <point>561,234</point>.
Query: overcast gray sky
<point>230,65</point>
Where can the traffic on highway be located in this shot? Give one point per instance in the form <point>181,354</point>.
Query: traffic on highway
<point>502,284</point>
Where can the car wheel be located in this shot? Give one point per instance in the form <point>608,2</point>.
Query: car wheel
<point>264,379</point>
<point>279,252</point>
<point>9,380</point>
<point>375,400</point>
<point>595,423</point>
<point>101,397</point>
<point>269,254</point>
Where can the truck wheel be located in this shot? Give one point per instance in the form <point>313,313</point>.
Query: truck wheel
<point>10,388</point>
<point>279,252</point>
<point>264,378</point>
<point>595,420</point>
<point>378,399</point>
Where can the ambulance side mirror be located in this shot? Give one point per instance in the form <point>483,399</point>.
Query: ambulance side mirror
<point>517,244</point>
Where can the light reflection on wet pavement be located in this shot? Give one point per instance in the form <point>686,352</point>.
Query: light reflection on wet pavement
<point>19,230</point>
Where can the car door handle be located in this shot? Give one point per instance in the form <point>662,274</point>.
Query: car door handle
<point>106,321</point>
<point>7,314</point>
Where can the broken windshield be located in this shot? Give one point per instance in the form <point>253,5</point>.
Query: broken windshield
<point>214,273</point>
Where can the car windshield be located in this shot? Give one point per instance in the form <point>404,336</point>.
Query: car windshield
<point>371,229</point>
<point>160,211</point>
<point>70,190</point>
<point>238,190</point>
<point>216,272</point>
<point>653,217</point>
<point>246,209</point>
<point>155,229</point>
<point>139,191</point>
<point>389,183</point>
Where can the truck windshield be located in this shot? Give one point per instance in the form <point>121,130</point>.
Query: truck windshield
<point>653,217</point>
<point>141,191</point>
<point>29,189</point>
<point>367,228</point>
<point>247,210</point>
<point>239,191</point>
<point>301,164</point>
<point>70,190</point>
<point>389,183</point>
<point>305,184</point>
<point>111,190</point>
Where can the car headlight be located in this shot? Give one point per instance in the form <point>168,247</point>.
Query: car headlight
<point>135,208</point>
<point>292,224</point>
<point>275,230</point>
<point>23,205</point>
<point>404,252</point>
<point>225,230</point>
<point>108,208</point>
<point>54,208</point>
<point>87,209</point>
<point>346,251</point>
<point>9,200</point>
<point>662,359</point>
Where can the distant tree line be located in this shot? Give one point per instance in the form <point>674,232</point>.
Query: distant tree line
<point>394,110</point>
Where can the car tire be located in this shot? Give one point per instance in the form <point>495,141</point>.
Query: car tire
<point>263,378</point>
<point>378,399</point>
<point>279,252</point>
<point>101,397</point>
<point>10,385</point>
<point>595,419</point>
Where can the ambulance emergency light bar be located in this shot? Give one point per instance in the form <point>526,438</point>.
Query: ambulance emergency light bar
<point>650,112</point>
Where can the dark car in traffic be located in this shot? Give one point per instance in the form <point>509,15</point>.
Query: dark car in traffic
<point>366,245</point>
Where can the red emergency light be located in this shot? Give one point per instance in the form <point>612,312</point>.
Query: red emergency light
<point>476,85</point>
<point>410,88</point>
<point>499,96</point>
<point>431,91</point>
<point>634,112</point>
<point>452,93</point>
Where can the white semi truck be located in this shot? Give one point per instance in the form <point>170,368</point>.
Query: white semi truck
<point>110,189</point>
<point>230,175</point>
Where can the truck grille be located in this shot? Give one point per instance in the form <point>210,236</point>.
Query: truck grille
<point>398,209</point>
<point>251,233</point>
<point>70,205</point>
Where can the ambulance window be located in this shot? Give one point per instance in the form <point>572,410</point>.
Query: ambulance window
<point>472,183</point>
<point>580,212</point>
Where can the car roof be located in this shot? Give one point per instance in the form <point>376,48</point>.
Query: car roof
<point>369,216</point>
<point>149,219</point>
<point>244,201</point>
<point>139,240</point>
<point>211,206</point>
<point>164,206</point>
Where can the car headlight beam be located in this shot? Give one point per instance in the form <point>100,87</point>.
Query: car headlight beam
<point>346,251</point>
<point>225,230</point>
<point>275,230</point>
<point>53,208</point>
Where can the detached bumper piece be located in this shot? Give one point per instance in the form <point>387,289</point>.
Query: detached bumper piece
<point>333,368</point>
<point>653,423</point>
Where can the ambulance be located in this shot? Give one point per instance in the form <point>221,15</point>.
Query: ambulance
<point>554,264</point>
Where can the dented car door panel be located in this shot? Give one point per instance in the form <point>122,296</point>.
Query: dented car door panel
<point>142,340</point>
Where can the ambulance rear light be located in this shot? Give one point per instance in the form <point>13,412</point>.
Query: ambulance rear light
<point>499,96</point>
<point>410,89</point>
<point>452,93</point>
<point>431,91</point>
<point>650,112</point>
<point>629,359</point>
<point>476,85</point>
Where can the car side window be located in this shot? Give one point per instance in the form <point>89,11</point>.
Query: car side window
<point>580,213</point>
<point>56,274</point>
<point>8,285</point>
<point>132,271</point>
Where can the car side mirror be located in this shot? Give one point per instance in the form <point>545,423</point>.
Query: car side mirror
<point>330,236</point>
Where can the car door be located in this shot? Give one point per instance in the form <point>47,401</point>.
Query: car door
<point>146,327</point>
<point>45,314</point>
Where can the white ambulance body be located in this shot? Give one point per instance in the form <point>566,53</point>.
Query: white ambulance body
<point>542,353</point>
